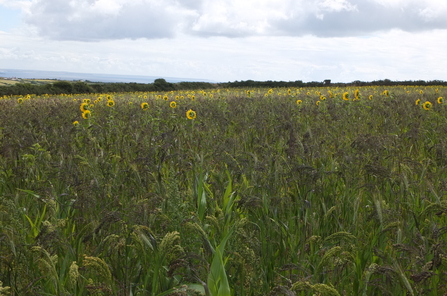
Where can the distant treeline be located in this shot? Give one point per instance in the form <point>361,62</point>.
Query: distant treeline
<point>78,87</point>
<point>300,83</point>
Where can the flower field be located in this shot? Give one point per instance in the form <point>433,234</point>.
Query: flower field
<point>307,191</point>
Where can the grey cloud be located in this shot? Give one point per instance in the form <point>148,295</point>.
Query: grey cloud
<point>144,19</point>
<point>62,20</point>
<point>335,18</point>
<point>367,17</point>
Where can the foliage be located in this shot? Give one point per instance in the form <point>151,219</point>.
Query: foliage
<point>262,192</point>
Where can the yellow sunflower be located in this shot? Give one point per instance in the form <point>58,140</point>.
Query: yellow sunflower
<point>86,114</point>
<point>299,102</point>
<point>440,100</point>
<point>418,101</point>
<point>173,104</point>
<point>356,95</point>
<point>76,123</point>
<point>346,96</point>
<point>84,107</point>
<point>191,114</point>
<point>20,100</point>
<point>427,105</point>
<point>110,103</point>
<point>144,106</point>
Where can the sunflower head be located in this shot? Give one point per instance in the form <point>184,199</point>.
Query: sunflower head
<point>418,101</point>
<point>20,100</point>
<point>299,102</point>
<point>173,104</point>
<point>144,106</point>
<point>346,96</point>
<point>440,100</point>
<point>84,107</point>
<point>191,114</point>
<point>110,103</point>
<point>75,123</point>
<point>427,105</point>
<point>86,114</point>
<point>87,101</point>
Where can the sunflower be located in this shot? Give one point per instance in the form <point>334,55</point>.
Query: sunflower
<point>83,107</point>
<point>418,101</point>
<point>144,106</point>
<point>440,100</point>
<point>427,105</point>
<point>191,114</point>
<point>110,103</point>
<point>356,95</point>
<point>173,104</point>
<point>20,100</point>
<point>87,101</point>
<point>165,98</point>
<point>76,123</point>
<point>86,114</point>
<point>346,96</point>
<point>322,98</point>
<point>370,97</point>
<point>386,93</point>
<point>317,103</point>
<point>299,102</point>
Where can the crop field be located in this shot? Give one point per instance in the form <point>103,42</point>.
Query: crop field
<point>308,191</point>
<point>10,81</point>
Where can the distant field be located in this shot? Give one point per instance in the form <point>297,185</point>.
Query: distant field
<point>227,192</point>
<point>5,82</point>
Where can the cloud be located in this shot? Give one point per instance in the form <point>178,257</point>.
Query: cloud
<point>90,20</point>
<point>362,17</point>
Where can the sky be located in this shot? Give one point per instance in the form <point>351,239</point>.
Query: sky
<point>229,40</point>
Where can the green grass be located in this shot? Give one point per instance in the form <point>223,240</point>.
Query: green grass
<point>256,196</point>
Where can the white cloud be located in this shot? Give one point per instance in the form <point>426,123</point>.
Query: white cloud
<point>395,55</point>
<point>91,20</point>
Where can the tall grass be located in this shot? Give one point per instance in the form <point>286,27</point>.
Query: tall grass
<point>265,192</point>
